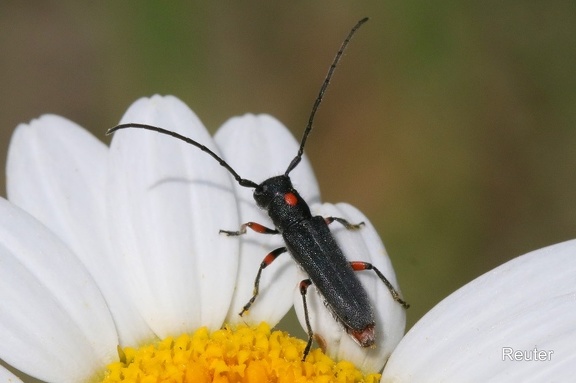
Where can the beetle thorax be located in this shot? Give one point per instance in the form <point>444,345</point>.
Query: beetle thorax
<point>281,201</point>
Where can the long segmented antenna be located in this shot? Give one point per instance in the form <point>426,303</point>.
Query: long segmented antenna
<point>242,181</point>
<point>298,157</point>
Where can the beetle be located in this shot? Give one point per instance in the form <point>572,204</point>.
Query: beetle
<point>306,237</point>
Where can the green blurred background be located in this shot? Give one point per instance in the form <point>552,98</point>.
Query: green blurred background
<point>451,124</point>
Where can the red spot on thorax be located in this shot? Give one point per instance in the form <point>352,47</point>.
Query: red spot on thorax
<point>291,199</point>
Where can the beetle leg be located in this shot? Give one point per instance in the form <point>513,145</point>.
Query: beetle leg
<point>359,266</point>
<point>346,224</point>
<point>303,289</point>
<point>252,225</point>
<point>268,259</point>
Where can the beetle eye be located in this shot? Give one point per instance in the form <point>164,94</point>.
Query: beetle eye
<point>261,189</point>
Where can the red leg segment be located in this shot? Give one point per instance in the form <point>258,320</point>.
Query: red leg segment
<point>360,266</point>
<point>252,225</point>
<point>268,259</point>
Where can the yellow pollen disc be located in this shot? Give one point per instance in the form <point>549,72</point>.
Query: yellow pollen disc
<point>242,354</point>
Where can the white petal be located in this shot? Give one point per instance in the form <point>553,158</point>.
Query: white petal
<point>527,303</point>
<point>259,147</point>
<point>54,322</point>
<point>167,202</point>
<point>57,172</point>
<point>390,317</point>
<point>8,377</point>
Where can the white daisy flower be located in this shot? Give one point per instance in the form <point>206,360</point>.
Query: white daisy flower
<point>276,147</point>
<point>512,324</point>
<point>104,247</point>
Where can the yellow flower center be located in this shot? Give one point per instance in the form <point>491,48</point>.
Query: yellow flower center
<point>242,354</point>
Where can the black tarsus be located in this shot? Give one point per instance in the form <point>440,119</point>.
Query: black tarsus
<point>316,105</point>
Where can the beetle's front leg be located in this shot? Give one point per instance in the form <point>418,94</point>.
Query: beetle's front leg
<point>252,225</point>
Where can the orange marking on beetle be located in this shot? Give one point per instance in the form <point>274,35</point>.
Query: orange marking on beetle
<point>291,199</point>
<point>256,227</point>
<point>364,337</point>
<point>268,259</point>
<point>359,266</point>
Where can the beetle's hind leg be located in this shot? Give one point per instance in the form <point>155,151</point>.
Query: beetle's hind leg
<point>359,266</point>
<point>303,290</point>
<point>346,224</point>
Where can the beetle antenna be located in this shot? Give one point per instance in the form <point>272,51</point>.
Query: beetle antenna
<point>242,181</point>
<point>316,105</point>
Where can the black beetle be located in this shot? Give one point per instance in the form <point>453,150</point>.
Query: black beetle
<point>308,238</point>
